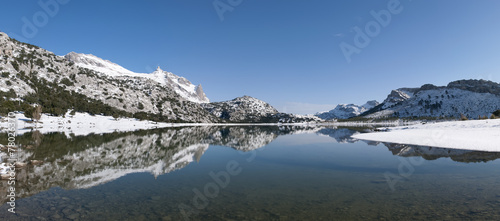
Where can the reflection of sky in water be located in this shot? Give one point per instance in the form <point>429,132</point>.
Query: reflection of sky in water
<point>295,177</point>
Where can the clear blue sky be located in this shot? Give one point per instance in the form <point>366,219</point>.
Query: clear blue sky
<point>285,52</point>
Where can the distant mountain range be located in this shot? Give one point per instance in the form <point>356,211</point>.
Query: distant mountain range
<point>30,76</point>
<point>82,82</point>
<point>470,98</point>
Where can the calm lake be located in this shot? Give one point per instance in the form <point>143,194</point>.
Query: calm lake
<point>248,173</point>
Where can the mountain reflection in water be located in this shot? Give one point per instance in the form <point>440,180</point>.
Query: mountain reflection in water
<point>87,161</point>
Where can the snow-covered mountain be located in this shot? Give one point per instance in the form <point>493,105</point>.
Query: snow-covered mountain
<point>472,98</point>
<point>240,109</point>
<point>249,109</point>
<point>345,111</point>
<point>180,85</point>
<point>396,97</point>
<point>32,75</point>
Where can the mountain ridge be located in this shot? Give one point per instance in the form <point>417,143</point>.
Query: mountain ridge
<point>471,98</point>
<point>179,84</point>
<point>86,83</point>
<point>32,75</point>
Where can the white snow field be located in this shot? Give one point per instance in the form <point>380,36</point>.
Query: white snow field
<point>480,135</point>
<point>81,124</point>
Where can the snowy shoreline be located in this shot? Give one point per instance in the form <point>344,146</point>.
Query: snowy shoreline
<point>480,135</point>
<point>82,124</point>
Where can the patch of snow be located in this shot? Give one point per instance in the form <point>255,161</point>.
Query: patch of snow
<point>480,135</point>
<point>82,124</point>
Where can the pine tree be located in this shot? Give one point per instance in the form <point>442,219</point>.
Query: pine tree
<point>497,113</point>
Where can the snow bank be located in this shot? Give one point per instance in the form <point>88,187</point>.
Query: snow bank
<point>480,135</point>
<point>82,124</point>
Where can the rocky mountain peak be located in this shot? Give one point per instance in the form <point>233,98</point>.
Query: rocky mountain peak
<point>370,104</point>
<point>241,109</point>
<point>158,69</point>
<point>395,97</point>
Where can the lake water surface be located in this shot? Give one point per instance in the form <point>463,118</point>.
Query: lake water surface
<point>249,173</point>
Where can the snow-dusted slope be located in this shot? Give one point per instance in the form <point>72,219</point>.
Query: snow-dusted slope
<point>160,95</point>
<point>345,111</point>
<point>241,109</point>
<point>179,84</point>
<point>472,98</point>
<point>95,63</point>
<point>247,109</point>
